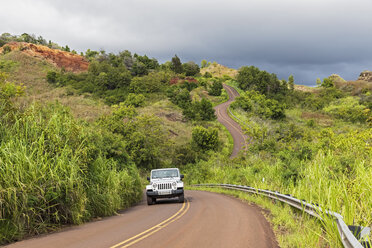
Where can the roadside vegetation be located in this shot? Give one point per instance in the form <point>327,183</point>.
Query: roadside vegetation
<point>315,146</point>
<point>59,166</point>
<point>56,170</point>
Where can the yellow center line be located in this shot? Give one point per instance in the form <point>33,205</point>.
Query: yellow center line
<point>157,227</point>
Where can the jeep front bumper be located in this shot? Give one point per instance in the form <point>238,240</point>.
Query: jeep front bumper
<point>160,194</point>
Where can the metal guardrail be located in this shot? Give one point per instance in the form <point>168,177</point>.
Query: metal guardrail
<point>347,237</point>
<point>228,108</point>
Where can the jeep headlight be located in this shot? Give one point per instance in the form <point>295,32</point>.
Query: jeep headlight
<point>174,185</point>
<point>154,185</point>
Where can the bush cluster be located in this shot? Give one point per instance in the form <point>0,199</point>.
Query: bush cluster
<point>205,139</point>
<point>348,109</point>
<point>198,110</point>
<point>257,104</point>
<point>252,78</point>
<point>216,88</point>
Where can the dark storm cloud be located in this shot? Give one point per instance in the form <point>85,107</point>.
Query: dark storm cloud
<point>308,39</point>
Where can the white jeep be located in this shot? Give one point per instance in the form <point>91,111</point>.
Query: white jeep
<point>164,183</point>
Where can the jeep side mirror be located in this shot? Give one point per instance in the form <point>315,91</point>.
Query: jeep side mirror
<point>148,179</point>
<point>182,176</point>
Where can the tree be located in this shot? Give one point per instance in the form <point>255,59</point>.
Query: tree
<point>328,83</point>
<point>252,78</point>
<point>41,40</point>
<point>139,69</point>
<point>291,82</point>
<point>204,63</point>
<point>190,68</point>
<point>146,141</point>
<point>318,82</point>
<point>90,54</point>
<point>204,110</point>
<point>215,89</point>
<point>176,65</point>
<point>28,38</point>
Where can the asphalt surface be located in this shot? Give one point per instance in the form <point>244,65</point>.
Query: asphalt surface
<point>240,139</point>
<point>205,220</point>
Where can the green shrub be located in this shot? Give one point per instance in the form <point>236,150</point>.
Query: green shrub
<point>200,111</point>
<point>146,84</point>
<point>136,100</point>
<point>189,85</point>
<point>215,89</point>
<point>6,49</point>
<point>184,155</point>
<point>207,75</point>
<point>252,101</point>
<point>190,68</point>
<point>8,90</point>
<point>348,109</point>
<point>180,97</point>
<point>52,77</point>
<point>205,139</point>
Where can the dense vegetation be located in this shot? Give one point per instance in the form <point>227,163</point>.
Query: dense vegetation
<point>313,145</point>
<point>56,169</point>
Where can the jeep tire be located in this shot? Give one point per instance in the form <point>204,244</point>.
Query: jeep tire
<point>150,200</point>
<point>181,198</point>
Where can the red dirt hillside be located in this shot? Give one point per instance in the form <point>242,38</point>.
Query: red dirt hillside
<point>69,61</point>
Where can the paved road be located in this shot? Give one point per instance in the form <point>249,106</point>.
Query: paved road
<point>205,220</point>
<point>240,139</point>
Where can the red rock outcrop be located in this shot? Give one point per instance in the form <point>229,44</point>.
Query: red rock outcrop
<point>69,61</point>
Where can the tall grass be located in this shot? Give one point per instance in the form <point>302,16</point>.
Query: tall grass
<point>338,176</point>
<point>53,171</point>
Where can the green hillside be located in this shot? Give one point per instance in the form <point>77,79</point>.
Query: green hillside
<point>75,146</point>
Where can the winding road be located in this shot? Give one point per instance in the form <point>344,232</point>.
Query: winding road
<point>240,139</point>
<point>205,220</point>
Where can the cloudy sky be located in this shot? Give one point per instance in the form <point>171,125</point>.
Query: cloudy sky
<point>306,38</point>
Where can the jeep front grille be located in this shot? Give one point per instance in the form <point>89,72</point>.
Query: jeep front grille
<point>164,186</point>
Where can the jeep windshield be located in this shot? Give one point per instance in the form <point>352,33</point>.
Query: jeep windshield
<point>164,173</point>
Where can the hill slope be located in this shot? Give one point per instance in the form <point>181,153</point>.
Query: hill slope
<point>23,68</point>
<point>62,59</point>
